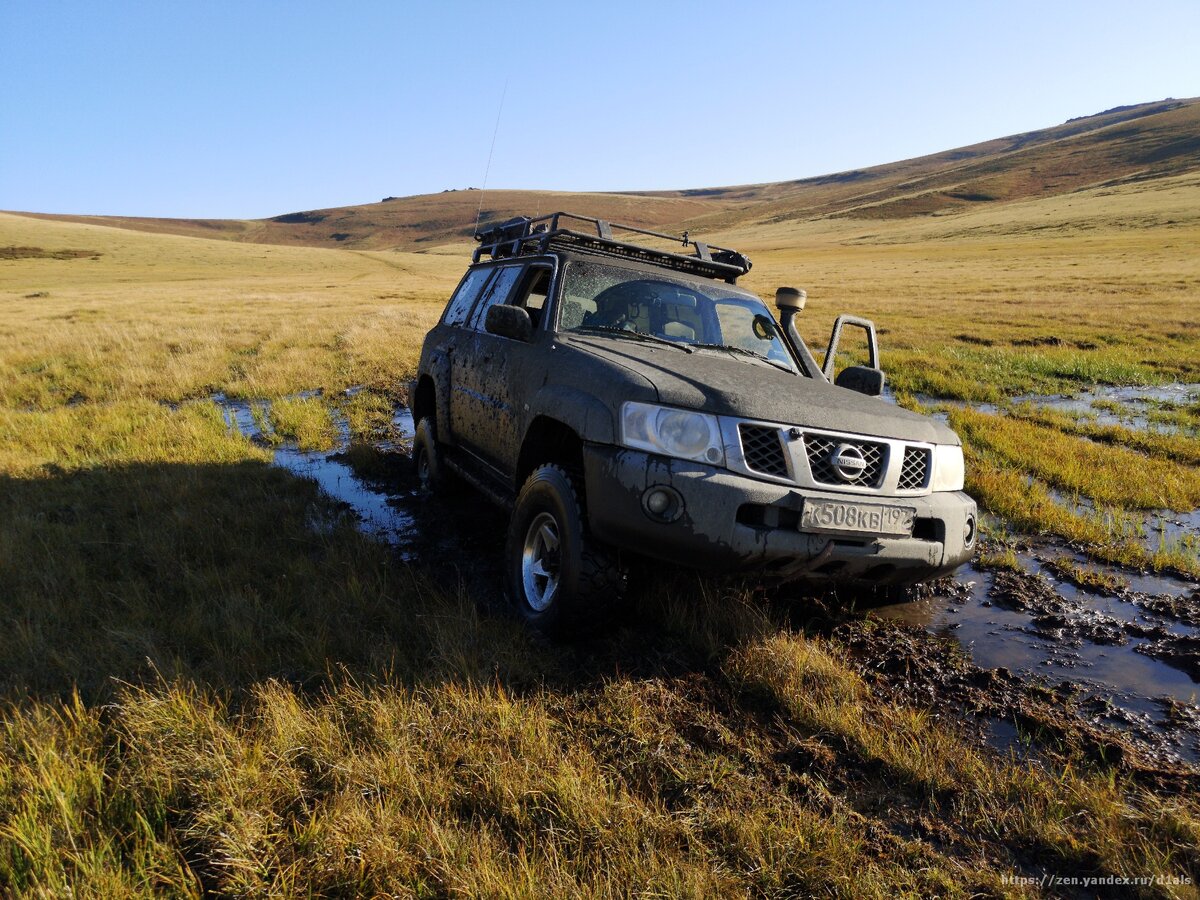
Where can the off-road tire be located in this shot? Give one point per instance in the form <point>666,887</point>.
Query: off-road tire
<point>428,462</point>
<point>591,581</point>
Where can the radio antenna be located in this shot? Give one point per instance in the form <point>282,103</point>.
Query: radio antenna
<point>487,170</point>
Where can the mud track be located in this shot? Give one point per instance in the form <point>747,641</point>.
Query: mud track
<point>1021,658</point>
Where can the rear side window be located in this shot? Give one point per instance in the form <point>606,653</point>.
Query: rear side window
<point>500,288</point>
<point>464,298</point>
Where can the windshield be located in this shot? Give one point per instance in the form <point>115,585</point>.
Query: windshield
<point>608,299</point>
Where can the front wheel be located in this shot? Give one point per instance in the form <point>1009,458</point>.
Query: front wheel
<point>559,577</point>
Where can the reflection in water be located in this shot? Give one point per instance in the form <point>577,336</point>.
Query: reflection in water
<point>378,505</point>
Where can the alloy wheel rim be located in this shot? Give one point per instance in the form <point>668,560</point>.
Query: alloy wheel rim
<point>540,561</point>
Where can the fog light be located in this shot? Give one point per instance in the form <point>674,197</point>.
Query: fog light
<point>969,531</point>
<point>662,503</point>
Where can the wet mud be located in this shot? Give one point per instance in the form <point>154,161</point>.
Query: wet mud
<point>1128,654</point>
<point>1095,657</point>
<point>374,482</point>
<point>383,505</point>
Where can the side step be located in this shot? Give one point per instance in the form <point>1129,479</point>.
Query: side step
<point>483,484</point>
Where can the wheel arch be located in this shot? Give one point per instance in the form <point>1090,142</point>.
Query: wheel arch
<point>424,401</point>
<point>548,440</point>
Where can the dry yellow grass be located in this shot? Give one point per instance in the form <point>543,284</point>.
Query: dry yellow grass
<point>970,304</point>
<point>172,318</point>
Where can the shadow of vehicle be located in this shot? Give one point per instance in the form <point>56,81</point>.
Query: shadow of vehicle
<point>226,575</point>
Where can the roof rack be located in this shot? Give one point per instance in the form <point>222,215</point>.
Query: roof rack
<point>523,236</point>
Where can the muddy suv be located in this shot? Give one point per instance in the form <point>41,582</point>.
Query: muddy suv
<point>626,401</point>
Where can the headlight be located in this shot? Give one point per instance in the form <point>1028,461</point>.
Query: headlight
<point>948,470</point>
<point>672,432</point>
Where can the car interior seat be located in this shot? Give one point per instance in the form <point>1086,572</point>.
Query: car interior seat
<point>679,330</point>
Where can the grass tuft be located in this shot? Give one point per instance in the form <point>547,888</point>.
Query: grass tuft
<point>305,420</point>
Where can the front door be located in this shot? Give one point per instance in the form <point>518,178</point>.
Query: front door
<point>511,371</point>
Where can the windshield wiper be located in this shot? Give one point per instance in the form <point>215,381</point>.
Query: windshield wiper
<point>776,363</point>
<point>636,335</point>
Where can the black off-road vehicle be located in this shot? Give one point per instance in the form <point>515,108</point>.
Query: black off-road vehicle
<point>627,400</point>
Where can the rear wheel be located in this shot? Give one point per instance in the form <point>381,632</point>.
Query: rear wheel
<point>427,457</point>
<point>560,578</point>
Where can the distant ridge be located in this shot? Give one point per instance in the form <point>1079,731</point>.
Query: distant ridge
<point>1123,144</point>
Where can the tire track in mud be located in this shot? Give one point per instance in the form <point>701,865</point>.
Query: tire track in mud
<point>1019,652</point>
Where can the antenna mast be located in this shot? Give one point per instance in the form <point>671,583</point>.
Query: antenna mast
<point>491,150</point>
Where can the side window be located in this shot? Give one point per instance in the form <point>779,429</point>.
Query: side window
<point>464,298</point>
<point>501,286</point>
<point>534,292</point>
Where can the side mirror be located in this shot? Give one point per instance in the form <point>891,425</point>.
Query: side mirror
<point>510,322</point>
<point>861,379</point>
<point>831,352</point>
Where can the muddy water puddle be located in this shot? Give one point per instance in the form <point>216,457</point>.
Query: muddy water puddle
<point>1130,649</point>
<point>1131,654</point>
<point>1155,529</point>
<point>382,506</point>
<point>1134,407</point>
<point>1116,654</point>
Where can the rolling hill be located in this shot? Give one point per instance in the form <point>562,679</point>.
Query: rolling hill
<point>1121,145</point>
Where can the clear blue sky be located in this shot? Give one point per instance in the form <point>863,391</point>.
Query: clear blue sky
<point>247,109</point>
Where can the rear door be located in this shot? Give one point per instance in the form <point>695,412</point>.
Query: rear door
<point>446,338</point>
<point>473,415</point>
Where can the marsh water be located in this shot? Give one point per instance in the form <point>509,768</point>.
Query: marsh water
<point>1133,653</point>
<point>382,507</point>
<point>1130,654</point>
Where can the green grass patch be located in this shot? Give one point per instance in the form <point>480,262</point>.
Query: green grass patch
<point>1085,576</point>
<point>998,557</point>
<point>1107,473</point>
<point>991,374</point>
<point>131,432</point>
<point>1107,533</point>
<point>369,416</point>
<point>1172,446</point>
<point>305,420</point>
<point>1181,417</point>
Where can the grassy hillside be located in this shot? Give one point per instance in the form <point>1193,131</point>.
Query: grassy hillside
<point>1141,142</point>
<point>415,223</point>
<point>1134,143</point>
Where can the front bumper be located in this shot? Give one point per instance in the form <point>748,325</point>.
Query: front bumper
<point>728,522</point>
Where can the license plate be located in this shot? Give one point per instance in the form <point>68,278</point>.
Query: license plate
<point>861,518</point>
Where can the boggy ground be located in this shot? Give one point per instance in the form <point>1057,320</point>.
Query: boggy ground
<point>216,682</point>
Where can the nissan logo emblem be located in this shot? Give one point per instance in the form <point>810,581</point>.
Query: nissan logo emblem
<point>847,461</point>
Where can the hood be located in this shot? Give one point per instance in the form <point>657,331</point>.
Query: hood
<point>728,385</point>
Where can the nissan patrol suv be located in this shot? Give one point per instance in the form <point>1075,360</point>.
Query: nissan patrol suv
<point>625,400</point>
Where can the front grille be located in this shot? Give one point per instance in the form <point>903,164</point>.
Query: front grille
<point>762,450</point>
<point>914,473</point>
<point>820,450</point>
